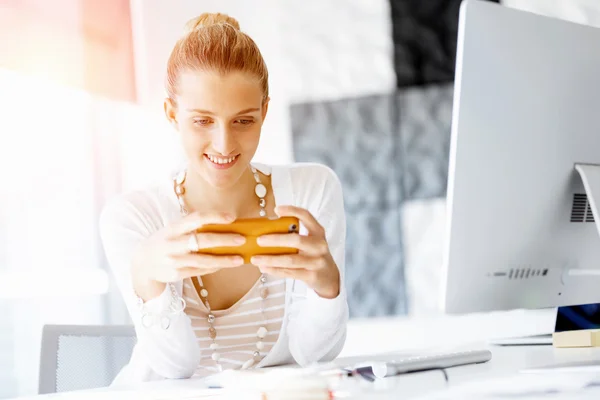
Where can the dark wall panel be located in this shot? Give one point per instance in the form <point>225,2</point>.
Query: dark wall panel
<point>425,33</point>
<point>385,149</point>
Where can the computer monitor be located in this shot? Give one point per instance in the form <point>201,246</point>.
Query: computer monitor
<point>521,231</point>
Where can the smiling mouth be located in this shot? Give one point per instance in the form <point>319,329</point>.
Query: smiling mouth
<point>224,161</point>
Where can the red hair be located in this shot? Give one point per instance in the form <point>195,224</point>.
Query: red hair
<point>214,42</point>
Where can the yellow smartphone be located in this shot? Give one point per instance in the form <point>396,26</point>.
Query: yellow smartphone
<point>252,228</point>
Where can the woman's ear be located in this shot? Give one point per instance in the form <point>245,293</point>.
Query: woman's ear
<point>265,108</point>
<point>171,112</point>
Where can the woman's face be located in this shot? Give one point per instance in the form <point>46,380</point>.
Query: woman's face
<point>219,118</point>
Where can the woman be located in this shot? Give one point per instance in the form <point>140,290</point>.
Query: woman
<point>197,314</point>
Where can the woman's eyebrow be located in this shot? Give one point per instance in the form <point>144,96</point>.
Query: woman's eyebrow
<point>200,111</point>
<point>248,110</point>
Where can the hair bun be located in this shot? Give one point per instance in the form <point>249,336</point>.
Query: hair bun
<point>208,19</point>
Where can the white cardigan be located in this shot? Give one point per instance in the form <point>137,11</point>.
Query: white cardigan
<point>314,328</point>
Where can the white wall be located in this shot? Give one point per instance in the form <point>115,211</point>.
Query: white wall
<point>50,253</point>
<point>581,11</point>
<point>314,49</point>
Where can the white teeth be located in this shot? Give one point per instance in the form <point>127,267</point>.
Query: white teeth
<point>218,160</point>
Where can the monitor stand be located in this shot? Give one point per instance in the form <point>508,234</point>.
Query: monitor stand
<point>590,175</point>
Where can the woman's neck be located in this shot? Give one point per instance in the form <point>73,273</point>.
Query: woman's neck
<point>201,196</point>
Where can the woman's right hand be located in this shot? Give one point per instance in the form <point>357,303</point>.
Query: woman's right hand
<point>167,256</point>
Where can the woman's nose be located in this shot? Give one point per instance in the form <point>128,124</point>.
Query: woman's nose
<point>224,141</point>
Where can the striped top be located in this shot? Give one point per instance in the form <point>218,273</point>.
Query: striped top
<point>236,326</point>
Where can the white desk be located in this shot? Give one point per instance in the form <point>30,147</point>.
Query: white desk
<point>374,336</point>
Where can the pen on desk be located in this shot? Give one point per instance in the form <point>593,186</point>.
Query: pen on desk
<point>336,373</point>
<point>375,371</point>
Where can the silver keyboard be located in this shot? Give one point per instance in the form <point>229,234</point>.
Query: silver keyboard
<point>430,361</point>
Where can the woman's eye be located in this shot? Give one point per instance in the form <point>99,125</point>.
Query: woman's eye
<point>244,121</point>
<point>200,121</point>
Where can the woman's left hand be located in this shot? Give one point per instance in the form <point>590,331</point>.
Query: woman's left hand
<point>313,264</point>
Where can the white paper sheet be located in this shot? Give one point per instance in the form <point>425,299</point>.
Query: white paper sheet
<point>167,394</point>
<point>552,385</point>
